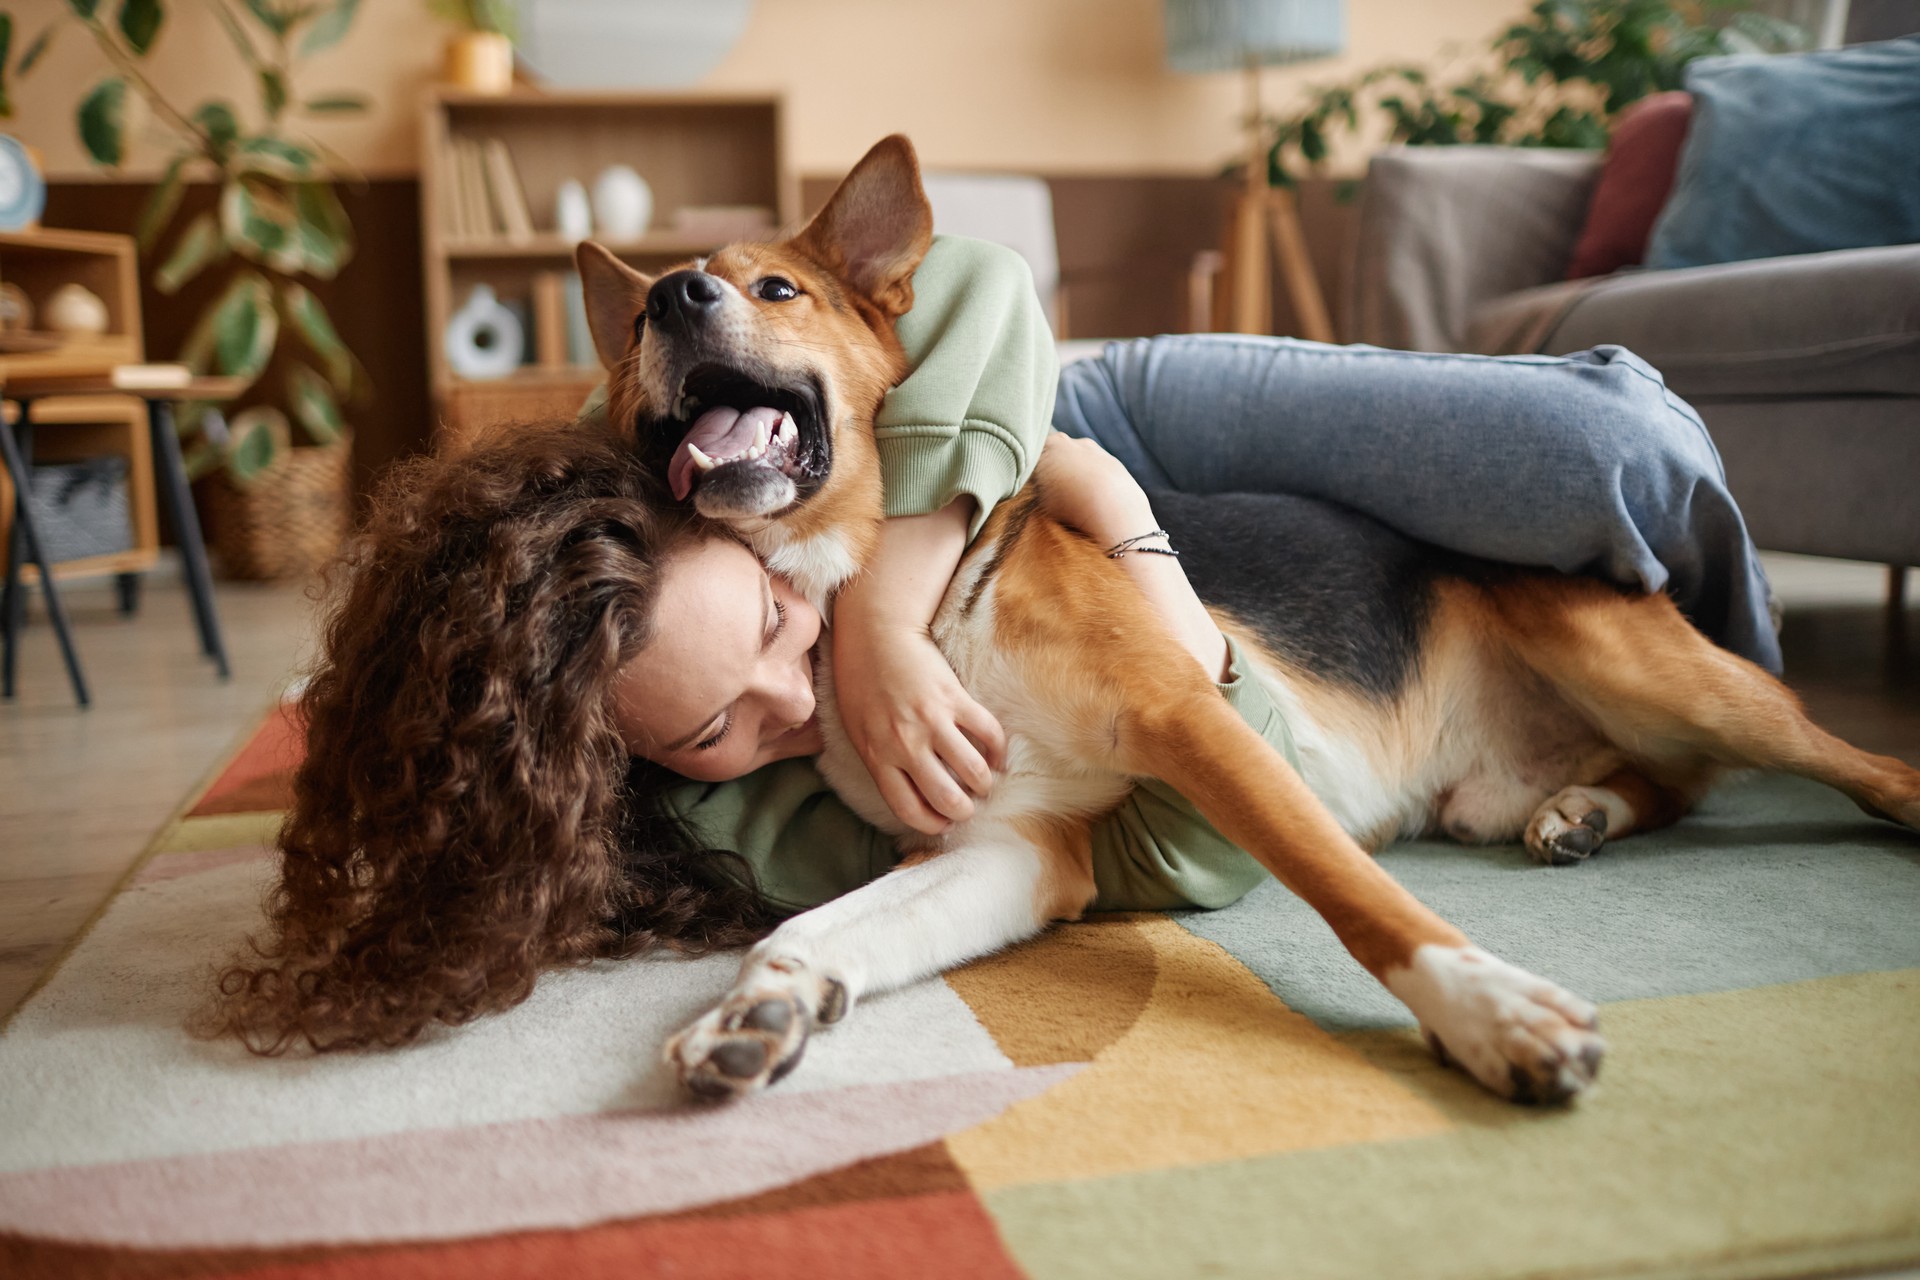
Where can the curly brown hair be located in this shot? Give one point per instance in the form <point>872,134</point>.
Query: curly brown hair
<point>466,815</point>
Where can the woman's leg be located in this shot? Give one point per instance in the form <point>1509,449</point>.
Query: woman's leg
<point>1585,463</point>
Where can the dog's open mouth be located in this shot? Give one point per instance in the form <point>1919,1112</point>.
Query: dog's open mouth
<point>743,434</point>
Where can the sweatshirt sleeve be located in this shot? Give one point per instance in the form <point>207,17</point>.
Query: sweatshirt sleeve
<point>1156,852</point>
<point>804,845</point>
<point>973,413</point>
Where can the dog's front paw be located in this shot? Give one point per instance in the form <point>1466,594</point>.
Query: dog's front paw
<point>758,1032</point>
<point>1519,1035</point>
<point>751,1040</point>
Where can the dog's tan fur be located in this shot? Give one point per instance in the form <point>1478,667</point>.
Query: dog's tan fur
<point>1541,704</point>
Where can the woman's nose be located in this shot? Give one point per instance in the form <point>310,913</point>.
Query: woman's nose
<point>793,695</point>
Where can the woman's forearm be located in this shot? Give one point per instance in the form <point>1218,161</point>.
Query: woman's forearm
<point>904,582</point>
<point>1165,585</point>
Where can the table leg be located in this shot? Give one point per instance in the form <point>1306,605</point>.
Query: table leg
<point>171,472</point>
<point>28,538</point>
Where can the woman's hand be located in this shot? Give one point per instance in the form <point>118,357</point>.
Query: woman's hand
<point>930,747</point>
<point>1083,485</point>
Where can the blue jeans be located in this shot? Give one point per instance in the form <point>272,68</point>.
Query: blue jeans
<point>1584,463</point>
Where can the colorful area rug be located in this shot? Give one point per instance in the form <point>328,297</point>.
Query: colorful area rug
<point>1217,1094</point>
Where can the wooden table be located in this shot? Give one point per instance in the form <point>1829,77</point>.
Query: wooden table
<point>170,479</point>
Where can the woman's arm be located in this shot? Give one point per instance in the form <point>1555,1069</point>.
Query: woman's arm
<point>1084,486</point>
<point>959,434</point>
<point>922,736</point>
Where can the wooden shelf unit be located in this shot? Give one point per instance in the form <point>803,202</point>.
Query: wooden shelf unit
<point>40,261</point>
<point>697,150</point>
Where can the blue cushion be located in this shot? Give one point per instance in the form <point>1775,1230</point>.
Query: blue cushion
<point>1797,153</point>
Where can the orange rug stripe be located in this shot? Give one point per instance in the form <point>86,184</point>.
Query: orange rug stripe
<point>260,778</point>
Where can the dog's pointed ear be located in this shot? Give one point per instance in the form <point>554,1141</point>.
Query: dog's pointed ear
<point>876,227</point>
<point>616,297</point>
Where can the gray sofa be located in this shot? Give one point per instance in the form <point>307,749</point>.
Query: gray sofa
<point>1806,369</point>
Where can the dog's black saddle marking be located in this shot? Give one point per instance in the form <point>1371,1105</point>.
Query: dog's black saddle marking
<point>1333,591</point>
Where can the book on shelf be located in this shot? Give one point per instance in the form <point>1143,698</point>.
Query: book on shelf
<point>550,320</point>
<point>150,377</point>
<point>509,198</point>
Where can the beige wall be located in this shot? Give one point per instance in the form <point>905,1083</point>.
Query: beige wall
<point>1055,85</point>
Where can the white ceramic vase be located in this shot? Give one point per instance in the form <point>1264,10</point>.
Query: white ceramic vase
<point>572,215</point>
<point>74,310</point>
<point>484,338</point>
<point>622,203</point>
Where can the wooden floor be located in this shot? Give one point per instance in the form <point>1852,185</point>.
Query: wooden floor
<point>81,792</point>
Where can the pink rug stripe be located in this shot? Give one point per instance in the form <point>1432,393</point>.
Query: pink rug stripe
<point>486,1179</point>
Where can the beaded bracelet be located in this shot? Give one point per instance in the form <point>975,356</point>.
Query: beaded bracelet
<point>1119,549</point>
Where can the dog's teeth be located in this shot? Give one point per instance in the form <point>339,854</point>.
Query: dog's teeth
<point>700,459</point>
<point>788,430</point>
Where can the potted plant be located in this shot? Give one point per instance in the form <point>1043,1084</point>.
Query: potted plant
<point>278,470</point>
<point>480,57</point>
<point>1555,79</point>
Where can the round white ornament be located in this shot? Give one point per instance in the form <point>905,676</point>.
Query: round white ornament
<point>622,203</point>
<point>484,338</point>
<point>572,215</point>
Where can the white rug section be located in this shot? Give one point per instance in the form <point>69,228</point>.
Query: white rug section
<point>97,1068</point>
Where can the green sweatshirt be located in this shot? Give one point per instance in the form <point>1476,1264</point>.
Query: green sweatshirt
<point>971,418</point>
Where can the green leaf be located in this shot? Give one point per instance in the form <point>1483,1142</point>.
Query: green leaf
<point>259,224</point>
<point>140,23</point>
<point>273,92</point>
<point>203,459</point>
<point>270,17</point>
<point>102,119</point>
<point>335,104</point>
<point>199,246</point>
<point>282,158</point>
<point>324,233</point>
<point>6,43</point>
<point>245,326</point>
<point>162,203</point>
<point>221,124</point>
<point>36,50</point>
<point>83,8</point>
<point>255,444</point>
<point>307,316</point>
<point>330,28</point>
<point>314,406</point>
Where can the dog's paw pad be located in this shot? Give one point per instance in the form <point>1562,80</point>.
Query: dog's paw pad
<point>1521,1036</point>
<point>750,1041</point>
<point>1568,829</point>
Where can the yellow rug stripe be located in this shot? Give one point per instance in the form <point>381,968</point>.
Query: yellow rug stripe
<point>1212,1068</point>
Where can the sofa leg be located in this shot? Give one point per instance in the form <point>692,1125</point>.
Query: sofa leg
<point>1896,587</point>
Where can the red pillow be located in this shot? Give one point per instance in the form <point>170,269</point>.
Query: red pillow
<point>1641,159</point>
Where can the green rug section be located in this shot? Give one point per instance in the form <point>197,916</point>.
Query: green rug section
<point>1772,880</point>
<point>1766,1132</point>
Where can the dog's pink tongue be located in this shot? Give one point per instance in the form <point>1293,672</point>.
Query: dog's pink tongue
<point>720,433</point>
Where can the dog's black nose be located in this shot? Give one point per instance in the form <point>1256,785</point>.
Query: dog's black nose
<point>682,298</point>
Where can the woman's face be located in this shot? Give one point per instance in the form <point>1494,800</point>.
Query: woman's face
<point>726,684</point>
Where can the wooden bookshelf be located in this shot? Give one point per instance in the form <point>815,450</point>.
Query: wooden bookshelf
<point>79,427</point>
<point>693,150</point>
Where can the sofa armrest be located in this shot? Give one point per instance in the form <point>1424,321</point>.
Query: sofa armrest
<point>1445,229</point>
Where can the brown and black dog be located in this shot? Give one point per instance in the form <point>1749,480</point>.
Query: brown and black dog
<point>1426,693</point>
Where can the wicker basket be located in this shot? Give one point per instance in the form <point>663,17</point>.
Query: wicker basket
<point>287,522</point>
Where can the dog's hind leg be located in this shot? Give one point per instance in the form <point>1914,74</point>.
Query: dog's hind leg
<point>999,885</point>
<point>1676,702</point>
<point>1571,826</point>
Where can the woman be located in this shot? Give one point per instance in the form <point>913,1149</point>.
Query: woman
<point>509,681</point>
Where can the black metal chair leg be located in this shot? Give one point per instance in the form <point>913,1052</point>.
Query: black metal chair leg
<point>126,588</point>
<point>11,610</point>
<point>171,470</point>
<point>29,537</point>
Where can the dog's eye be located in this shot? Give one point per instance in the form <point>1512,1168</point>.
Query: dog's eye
<point>640,326</point>
<point>775,289</point>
